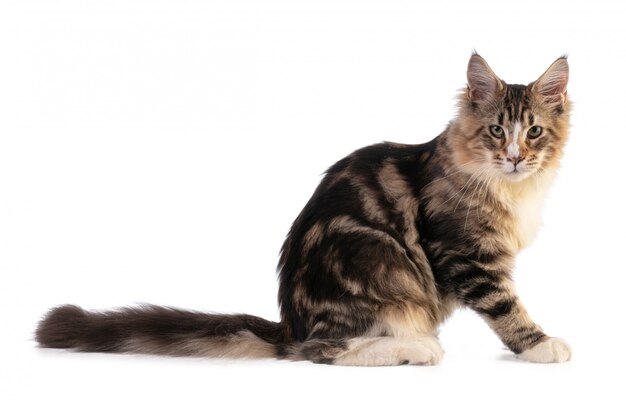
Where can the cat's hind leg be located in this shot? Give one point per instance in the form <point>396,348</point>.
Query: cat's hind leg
<point>374,351</point>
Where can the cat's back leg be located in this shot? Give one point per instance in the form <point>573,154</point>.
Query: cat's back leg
<point>362,298</point>
<point>374,351</point>
<point>397,336</point>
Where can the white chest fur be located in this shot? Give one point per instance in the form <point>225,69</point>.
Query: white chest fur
<point>524,202</point>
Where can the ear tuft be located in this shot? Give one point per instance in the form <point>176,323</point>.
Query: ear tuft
<point>482,83</point>
<point>552,85</point>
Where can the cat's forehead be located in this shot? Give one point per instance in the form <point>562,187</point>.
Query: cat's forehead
<point>515,93</point>
<point>515,105</point>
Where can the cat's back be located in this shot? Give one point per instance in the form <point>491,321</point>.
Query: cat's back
<point>367,184</point>
<point>370,167</point>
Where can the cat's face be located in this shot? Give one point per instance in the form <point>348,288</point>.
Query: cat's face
<point>512,131</point>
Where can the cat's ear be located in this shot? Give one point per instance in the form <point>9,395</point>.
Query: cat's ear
<point>482,83</point>
<point>552,85</point>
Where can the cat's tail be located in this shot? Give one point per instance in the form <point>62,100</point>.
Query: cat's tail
<point>163,331</point>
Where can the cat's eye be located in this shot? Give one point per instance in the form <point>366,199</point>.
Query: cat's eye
<point>534,132</point>
<point>496,131</point>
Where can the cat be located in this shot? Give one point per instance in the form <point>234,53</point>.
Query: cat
<point>393,240</point>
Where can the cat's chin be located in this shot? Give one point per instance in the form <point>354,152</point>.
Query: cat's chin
<point>516,176</point>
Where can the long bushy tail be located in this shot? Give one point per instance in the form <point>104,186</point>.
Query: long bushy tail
<point>163,331</point>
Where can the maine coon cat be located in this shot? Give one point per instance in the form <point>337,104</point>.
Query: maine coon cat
<point>392,241</point>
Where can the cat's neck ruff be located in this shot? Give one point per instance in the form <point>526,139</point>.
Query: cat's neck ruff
<point>523,202</point>
<point>511,194</point>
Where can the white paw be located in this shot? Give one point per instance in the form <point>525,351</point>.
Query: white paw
<point>552,350</point>
<point>389,351</point>
<point>427,351</point>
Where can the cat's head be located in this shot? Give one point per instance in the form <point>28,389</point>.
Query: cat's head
<point>512,131</point>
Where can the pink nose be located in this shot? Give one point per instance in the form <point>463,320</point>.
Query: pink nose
<point>515,159</point>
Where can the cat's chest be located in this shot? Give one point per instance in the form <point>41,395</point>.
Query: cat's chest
<point>524,214</point>
<point>526,219</point>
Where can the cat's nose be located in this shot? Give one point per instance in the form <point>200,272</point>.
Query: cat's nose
<point>515,159</point>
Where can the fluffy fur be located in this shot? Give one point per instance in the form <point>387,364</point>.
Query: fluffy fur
<point>392,241</point>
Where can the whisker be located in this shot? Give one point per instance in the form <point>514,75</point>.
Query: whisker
<point>472,179</point>
<point>486,191</point>
<point>469,208</point>
<point>477,189</point>
<point>461,189</point>
<point>456,170</point>
<point>482,196</point>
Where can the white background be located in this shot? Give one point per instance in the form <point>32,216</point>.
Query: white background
<point>158,151</point>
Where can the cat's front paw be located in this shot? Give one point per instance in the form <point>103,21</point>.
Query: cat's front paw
<point>552,350</point>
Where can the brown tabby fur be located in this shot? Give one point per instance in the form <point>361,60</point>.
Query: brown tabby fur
<point>392,241</point>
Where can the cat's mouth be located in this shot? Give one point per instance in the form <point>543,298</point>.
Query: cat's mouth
<point>515,172</point>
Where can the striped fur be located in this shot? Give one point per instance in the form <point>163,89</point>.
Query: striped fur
<point>392,241</point>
